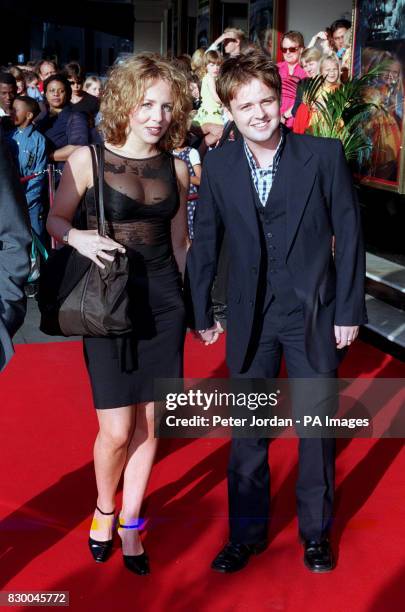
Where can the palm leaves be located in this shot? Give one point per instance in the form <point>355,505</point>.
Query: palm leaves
<point>341,113</point>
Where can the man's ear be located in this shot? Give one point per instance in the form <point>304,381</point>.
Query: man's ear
<point>30,115</point>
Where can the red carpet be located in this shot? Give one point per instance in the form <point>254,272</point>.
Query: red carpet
<point>47,496</point>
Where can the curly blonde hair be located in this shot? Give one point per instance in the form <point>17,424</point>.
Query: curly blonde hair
<point>125,89</point>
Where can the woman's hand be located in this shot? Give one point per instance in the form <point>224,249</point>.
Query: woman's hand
<point>90,244</point>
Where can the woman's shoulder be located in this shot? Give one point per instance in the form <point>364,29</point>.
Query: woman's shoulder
<point>81,156</point>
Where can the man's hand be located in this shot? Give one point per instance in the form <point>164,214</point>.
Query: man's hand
<point>345,335</point>
<point>211,335</point>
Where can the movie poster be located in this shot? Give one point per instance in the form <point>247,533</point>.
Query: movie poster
<point>262,24</point>
<point>380,41</point>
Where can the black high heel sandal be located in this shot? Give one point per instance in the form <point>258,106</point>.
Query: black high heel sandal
<point>101,550</point>
<point>138,564</point>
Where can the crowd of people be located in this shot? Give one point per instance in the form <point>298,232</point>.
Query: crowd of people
<point>164,126</point>
<point>48,111</point>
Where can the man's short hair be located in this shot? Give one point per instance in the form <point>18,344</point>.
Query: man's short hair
<point>31,104</point>
<point>240,70</point>
<point>7,79</point>
<point>297,37</point>
<point>340,23</point>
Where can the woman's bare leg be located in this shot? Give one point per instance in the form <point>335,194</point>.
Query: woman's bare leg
<point>140,457</point>
<point>110,454</point>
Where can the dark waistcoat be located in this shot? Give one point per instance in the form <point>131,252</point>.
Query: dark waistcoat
<point>274,271</point>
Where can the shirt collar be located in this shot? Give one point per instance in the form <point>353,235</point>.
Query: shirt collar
<point>276,158</point>
<point>27,131</point>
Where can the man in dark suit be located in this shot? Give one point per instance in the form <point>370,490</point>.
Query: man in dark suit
<point>279,198</point>
<point>15,242</point>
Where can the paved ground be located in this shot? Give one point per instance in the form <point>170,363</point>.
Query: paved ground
<point>30,332</point>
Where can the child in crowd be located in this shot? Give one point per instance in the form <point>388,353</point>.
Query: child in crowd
<point>29,150</point>
<point>93,86</point>
<point>210,110</point>
<point>32,80</point>
<point>307,116</point>
<point>193,161</point>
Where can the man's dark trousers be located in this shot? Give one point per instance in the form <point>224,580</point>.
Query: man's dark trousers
<point>248,469</point>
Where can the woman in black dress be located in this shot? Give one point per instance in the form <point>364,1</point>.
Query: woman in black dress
<point>144,107</point>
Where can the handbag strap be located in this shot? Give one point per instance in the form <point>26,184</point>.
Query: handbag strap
<point>97,159</point>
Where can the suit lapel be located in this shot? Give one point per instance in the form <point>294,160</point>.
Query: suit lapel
<point>239,188</point>
<point>297,171</point>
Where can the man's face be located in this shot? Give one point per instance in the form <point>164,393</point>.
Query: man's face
<point>256,111</point>
<point>46,70</point>
<point>7,95</point>
<point>339,38</point>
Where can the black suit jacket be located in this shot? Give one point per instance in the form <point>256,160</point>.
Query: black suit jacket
<point>15,242</point>
<point>321,202</point>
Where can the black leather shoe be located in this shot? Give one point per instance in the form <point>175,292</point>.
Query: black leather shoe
<point>139,564</point>
<point>318,555</point>
<point>234,557</point>
<point>101,550</point>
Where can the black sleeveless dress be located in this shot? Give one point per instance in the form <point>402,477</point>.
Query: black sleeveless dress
<point>140,199</point>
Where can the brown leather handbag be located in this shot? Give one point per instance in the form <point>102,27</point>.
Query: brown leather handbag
<point>76,297</point>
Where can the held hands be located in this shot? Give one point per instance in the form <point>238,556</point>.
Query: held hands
<point>345,335</point>
<point>211,335</point>
<point>90,244</point>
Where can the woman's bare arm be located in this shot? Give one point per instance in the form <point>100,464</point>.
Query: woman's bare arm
<point>77,176</point>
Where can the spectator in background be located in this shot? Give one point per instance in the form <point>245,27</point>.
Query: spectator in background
<point>8,92</point>
<point>192,158</point>
<point>232,38</point>
<point>81,99</point>
<point>63,129</point>
<point>210,110</point>
<point>310,60</point>
<point>93,86</point>
<point>182,63</point>
<point>338,30</point>
<point>45,69</point>
<point>32,81</point>
<point>197,62</point>
<point>291,73</point>
<point>19,76</point>
<point>307,116</point>
<point>28,147</point>
<point>321,41</point>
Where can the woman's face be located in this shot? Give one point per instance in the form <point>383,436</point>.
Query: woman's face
<point>56,94</point>
<point>330,72</point>
<point>213,69</point>
<point>150,120</point>
<point>311,67</point>
<point>291,51</point>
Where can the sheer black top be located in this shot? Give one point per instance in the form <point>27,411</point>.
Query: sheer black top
<point>140,200</point>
